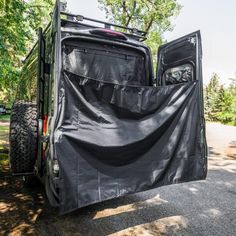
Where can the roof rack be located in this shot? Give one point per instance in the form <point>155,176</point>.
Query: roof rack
<point>79,19</point>
<point>61,8</point>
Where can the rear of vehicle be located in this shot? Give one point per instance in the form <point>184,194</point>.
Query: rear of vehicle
<point>96,123</point>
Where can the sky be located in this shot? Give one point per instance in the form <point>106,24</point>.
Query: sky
<point>214,18</point>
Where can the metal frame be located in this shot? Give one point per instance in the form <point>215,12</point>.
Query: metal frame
<point>79,19</point>
<point>41,73</point>
<point>40,97</point>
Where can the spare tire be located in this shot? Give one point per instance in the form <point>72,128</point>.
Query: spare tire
<point>23,137</point>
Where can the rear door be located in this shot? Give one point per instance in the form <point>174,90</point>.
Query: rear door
<point>180,61</point>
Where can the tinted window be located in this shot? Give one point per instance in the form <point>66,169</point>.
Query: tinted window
<point>178,74</point>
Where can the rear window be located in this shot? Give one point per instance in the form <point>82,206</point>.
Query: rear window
<point>105,62</point>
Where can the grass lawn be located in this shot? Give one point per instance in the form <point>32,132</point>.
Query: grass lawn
<point>4,145</point>
<point>4,117</point>
<point>3,160</point>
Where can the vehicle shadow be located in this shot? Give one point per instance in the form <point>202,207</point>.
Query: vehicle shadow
<point>19,206</point>
<point>26,211</point>
<point>147,213</point>
<point>171,210</point>
<point>183,209</point>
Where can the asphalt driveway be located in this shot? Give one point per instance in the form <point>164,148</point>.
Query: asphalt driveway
<point>198,208</point>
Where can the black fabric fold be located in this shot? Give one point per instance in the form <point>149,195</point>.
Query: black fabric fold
<point>112,139</point>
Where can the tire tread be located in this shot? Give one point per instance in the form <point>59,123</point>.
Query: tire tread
<point>23,137</point>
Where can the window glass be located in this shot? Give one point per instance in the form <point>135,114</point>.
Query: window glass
<point>178,74</point>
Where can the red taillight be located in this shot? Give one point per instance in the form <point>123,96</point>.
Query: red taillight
<point>108,33</point>
<point>45,122</point>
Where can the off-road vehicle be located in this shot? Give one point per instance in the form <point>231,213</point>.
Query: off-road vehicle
<point>93,122</point>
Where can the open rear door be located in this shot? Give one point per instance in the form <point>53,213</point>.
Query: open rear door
<point>180,61</point>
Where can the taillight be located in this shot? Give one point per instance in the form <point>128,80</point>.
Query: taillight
<point>108,33</point>
<point>45,122</point>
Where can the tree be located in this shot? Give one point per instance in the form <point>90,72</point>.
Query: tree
<point>152,16</point>
<point>19,21</point>
<point>232,91</point>
<point>220,102</point>
<point>232,86</point>
<point>211,97</point>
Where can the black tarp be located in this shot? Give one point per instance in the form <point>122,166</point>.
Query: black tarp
<point>106,62</point>
<point>112,139</point>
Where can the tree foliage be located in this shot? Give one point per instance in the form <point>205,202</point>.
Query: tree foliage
<point>19,21</point>
<point>220,102</point>
<point>152,16</point>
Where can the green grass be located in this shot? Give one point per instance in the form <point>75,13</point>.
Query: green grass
<point>3,160</point>
<point>4,133</point>
<point>4,117</point>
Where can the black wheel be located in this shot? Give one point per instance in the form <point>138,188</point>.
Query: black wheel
<point>23,137</point>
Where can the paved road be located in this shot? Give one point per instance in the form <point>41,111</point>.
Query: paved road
<point>206,208</point>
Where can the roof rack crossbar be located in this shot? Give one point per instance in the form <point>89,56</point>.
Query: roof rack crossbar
<point>106,24</point>
<point>127,34</point>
